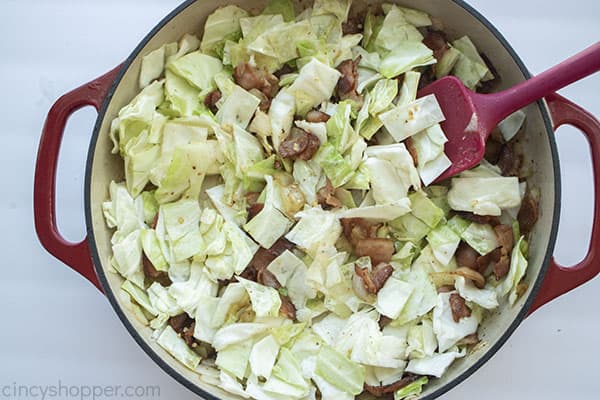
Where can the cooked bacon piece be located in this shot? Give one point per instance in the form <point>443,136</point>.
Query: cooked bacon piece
<point>254,209</point>
<point>356,229</point>
<point>484,261</point>
<point>381,273</point>
<point>364,274</point>
<point>252,197</point>
<point>250,78</point>
<point>445,289</point>
<point>427,77</point>
<point>459,307</point>
<point>149,269</point>
<point>287,308</point>
<point>502,266</point>
<point>469,340</point>
<point>493,147</point>
<point>479,219</point>
<point>211,100</point>
<point>501,259</point>
<point>265,101</point>
<point>491,85</point>
<point>317,116</point>
<point>348,83</point>
<point>508,161</point>
<point>374,280</point>
<point>466,256</point>
<point>528,214</point>
<point>188,334</point>
<point>521,289</point>
<point>263,257</point>
<point>326,196</point>
<point>179,322</point>
<point>504,234</point>
<point>437,42</point>
<point>378,249</point>
<point>353,26</point>
<point>280,246</point>
<point>286,69</point>
<point>384,321</point>
<point>379,391</point>
<point>410,146</point>
<point>266,277</point>
<point>299,145</point>
<point>253,206</point>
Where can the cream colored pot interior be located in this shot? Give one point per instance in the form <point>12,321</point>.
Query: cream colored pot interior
<point>458,22</point>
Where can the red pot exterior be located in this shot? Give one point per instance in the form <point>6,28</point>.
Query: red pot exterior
<point>75,255</point>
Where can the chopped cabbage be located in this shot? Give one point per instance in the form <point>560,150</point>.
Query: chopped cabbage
<point>281,113</point>
<point>382,95</point>
<point>447,331</point>
<point>387,212</point>
<point>518,268</point>
<point>404,57</point>
<point>512,124</point>
<point>393,296</point>
<point>197,68</point>
<point>444,242</point>
<point>338,170</point>
<point>285,8</point>
<point>270,223</point>
<point>222,24</point>
<point>265,300</point>
<point>339,131</point>
<point>469,67</point>
<point>176,346</point>
<point>435,365</point>
<point>339,371</point>
<point>480,237</point>
<point>284,266</point>
<point>238,108</point>
<point>153,64</point>
<point>412,389</point>
<point>263,356</point>
<point>395,31</point>
<point>410,119</point>
<point>484,196</point>
<point>485,298</point>
<point>234,358</point>
<point>237,333</point>
<point>188,294</point>
<point>315,228</point>
<point>409,88</point>
<point>392,172</point>
<point>314,85</point>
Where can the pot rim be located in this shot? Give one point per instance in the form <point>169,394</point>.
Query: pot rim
<point>197,389</point>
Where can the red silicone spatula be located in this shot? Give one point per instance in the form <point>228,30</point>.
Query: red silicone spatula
<point>471,117</point>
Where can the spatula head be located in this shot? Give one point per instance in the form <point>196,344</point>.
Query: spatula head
<point>466,133</point>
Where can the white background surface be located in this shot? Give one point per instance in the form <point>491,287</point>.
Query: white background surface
<point>56,326</point>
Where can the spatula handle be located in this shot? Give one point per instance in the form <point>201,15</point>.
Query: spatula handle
<point>500,105</point>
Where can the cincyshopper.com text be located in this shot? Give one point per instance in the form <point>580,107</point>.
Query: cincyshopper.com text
<point>80,392</point>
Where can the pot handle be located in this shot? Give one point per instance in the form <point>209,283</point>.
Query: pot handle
<point>560,280</point>
<point>75,255</point>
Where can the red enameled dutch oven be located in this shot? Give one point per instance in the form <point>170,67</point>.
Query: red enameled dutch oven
<point>547,279</point>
